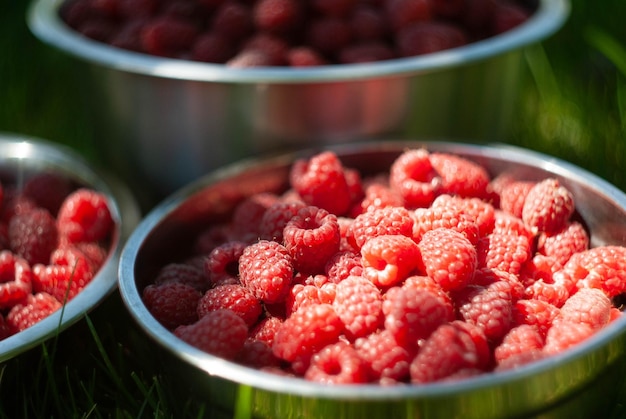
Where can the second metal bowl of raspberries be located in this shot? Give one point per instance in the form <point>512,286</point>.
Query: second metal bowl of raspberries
<point>519,334</point>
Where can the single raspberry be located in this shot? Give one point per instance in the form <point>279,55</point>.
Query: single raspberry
<point>384,357</point>
<point>85,216</point>
<point>232,20</point>
<point>312,237</point>
<point>306,332</point>
<point>358,303</point>
<point>460,176</point>
<point>365,52</point>
<point>75,259</point>
<point>304,56</point>
<point>602,267</point>
<point>257,354</point>
<point>389,259</point>
<point>379,222</point>
<point>172,304</point>
<point>554,291</point>
<point>183,273</point>
<point>212,47</point>
<point>402,13</point>
<point>590,306</point>
<point>272,45</point>
<point>233,297</point>
<point>337,363</point>
<point>427,219</point>
<point>266,329</point>
<point>561,245</point>
<point>128,36</point>
<point>276,218</point>
<point>518,340</point>
<point>548,206</point>
<point>277,16</point>
<point>480,211</point>
<point>448,257</point>
<point>266,268</point>
<point>342,265</point>
<point>413,177</point>
<point>328,34</point>
<point>506,223</point>
<point>33,309</point>
<point>368,23</point>
<point>429,36</point>
<point>412,314</point>
<point>33,235</point>
<point>513,195</point>
<point>487,276</point>
<point>377,194</point>
<point>221,333</point>
<point>167,36</point>
<point>16,282</point>
<point>426,283</point>
<point>333,7</point>
<point>222,264</point>
<point>48,190</point>
<point>537,313</point>
<point>321,182</point>
<point>506,252</point>
<point>247,216</point>
<point>301,295</point>
<point>565,334</point>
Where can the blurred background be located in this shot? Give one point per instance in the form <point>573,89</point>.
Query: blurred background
<point>573,106</point>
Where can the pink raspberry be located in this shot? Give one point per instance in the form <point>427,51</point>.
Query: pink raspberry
<point>247,216</point>
<point>564,334</point>
<point>480,211</point>
<point>233,297</point>
<point>384,357</point>
<point>440,216</point>
<point>513,195</point>
<point>506,252</point>
<point>277,16</point>
<point>602,267</point>
<point>358,303</point>
<point>389,259</point>
<point>379,222</point>
<point>589,306</point>
<point>429,36</point>
<point>460,175</point>
<point>539,268</point>
<point>337,363</point>
<point>276,218</point>
<point>342,265</point>
<point>555,290</point>
<point>33,235</point>
<point>183,273</point>
<point>312,237</point>
<point>448,257</point>
<point>561,245</point>
<point>16,281</point>
<point>518,340</point>
<point>85,216</point>
<point>537,313</point>
<point>548,206</point>
<point>31,310</point>
<point>266,268</point>
<point>221,333</point>
<point>172,304</point>
<point>221,266</point>
<point>413,177</point>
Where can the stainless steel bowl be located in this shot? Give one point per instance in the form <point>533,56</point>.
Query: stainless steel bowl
<point>164,122</point>
<point>578,383</point>
<point>22,156</point>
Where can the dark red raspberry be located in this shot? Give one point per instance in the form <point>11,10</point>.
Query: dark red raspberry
<point>402,13</point>
<point>233,297</point>
<point>321,182</point>
<point>266,268</point>
<point>480,211</point>
<point>536,313</point>
<point>333,7</point>
<point>85,217</point>
<point>337,363</point>
<point>561,245</point>
<point>519,340</point>
<point>508,15</point>
<point>358,303</point>
<point>16,282</point>
<point>448,9</point>
<point>212,48</point>
<point>384,357</point>
<point>33,309</point>
<point>589,306</point>
<point>548,206</point>
<point>329,35</point>
<point>48,190</point>
<point>365,53</point>
<point>173,304</point>
<point>379,222</point>
<point>440,216</point>
<point>167,36</point>
<point>506,252</point>
<point>247,216</point>
<point>222,264</point>
<point>276,218</point>
<point>368,23</point>
<point>277,16</point>
<point>565,334</point>
<point>185,274</point>
<point>5,330</point>
<point>128,35</point>
<point>266,329</point>
<point>389,259</point>
<point>461,176</point>
<point>311,238</point>
<point>603,267</point>
<point>304,56</point>
<point>413,177</point>
<point>221,333</point>
<point>513,195</point>
<point>232,20</point>
<point>33,235</point>
<point>137,8</point>
<point>429,36</point>
<point>342,265</point>
<point>257,354</point>
<point>448,257</point>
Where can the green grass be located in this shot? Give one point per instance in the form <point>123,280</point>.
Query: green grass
<point>573,106</point>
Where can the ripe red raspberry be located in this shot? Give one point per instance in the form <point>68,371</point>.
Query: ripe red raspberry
<point>247,216</point>
<point>266,329</point>
<point>429,36</point>
<point>167,36</point>
<point>337,363</point>
<point>426,283</point>
<point>301,295</point>
<point>33,235</point>
<point>358,303</point>
<point>274,46</point>
<point>506,223</point>
<point>277,16</point>
<point>257,354</point>
<point>304,56</point>
<point>590,306</point>
<point>427,219</point>
<point>221,266</point>
<point>183,273</point>
<point>402,13</point>
<point>520,359</point>
<point>602,267</point>
<point>555,291</point>
<point>365,52</point>
<point>212,48</point>
<point>537,313</point>
<point>513,195</point>
<point>377,194</point>
<point>77,260</point>
<point>389,259</point>
<point>450,348</point>
<point>506,252</point>
<point>342,265</point>
<point>384,357</point>
<point>413,177</point>
<point>487,276</point>
<point>328,34</point>
<point>276,218</point>
<point>306,332</point>
<point>233,20</point>
<point>561,245</point>
<point>565,334</point>
<point>461,176</point>
<point>379,222</point>
<point>480,211</point>
<point>266,268</point>
<point>172,304</point>
<point>85,216</point>
<point>233,297</point>
<point>95,253</point>
<point>520,339</point>
<point>48,190</point>
<point>548,206</point>
<point>221,333</point>
<point>312,237</point>
<point>33,309</point>
<point>16,281</point>
<point>448,257</point>
<point>412,314</point>
<point>321,182</point>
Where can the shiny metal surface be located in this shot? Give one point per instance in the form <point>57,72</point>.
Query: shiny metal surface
<point>577,383</point>
<point>21,155</point>
<point>164,122</point>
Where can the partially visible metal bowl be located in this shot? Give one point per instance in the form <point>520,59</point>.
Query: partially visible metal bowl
<point>22,156</point>
<point>577,383</point>
<point>164,122</point>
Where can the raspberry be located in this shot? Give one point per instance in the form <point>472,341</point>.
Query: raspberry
<point>427,37</point>
<point>233,297</point>
<point>384,357</point>
<point>311,237</point>
<point>76,260</point>
<point>48,190</point>
<point>342,265</point>
<point>520,359</point>
<point>368,24</point>
<point>85,216</point>
<point>565,334</point>
<point>427,219</point>
<point>536,313</point>
<point>266,329</point>
<point>167,36</point>
<point>274,46</point>
<point>507,16</point>
<point>426,283</point>
<point>221,333</point>
<point>328,34</point>
<point>448,257</point>
<point>16,281</point>
<point>266,269</point>
<point>401,13</point>
<point>589,306</point>
<point>128,35</point>
<point>304,57</point>
<point>277,16</point>
<point>276,218</point>
<point>247,216</point>
<point>33,235</point>
<point>321,182</point>
<point>222,264</point>
<point>460,176</point>
<point>412,176</point>
<point>337,363</point>
<point>487,276</point>
<point>358,303</point>
<point>411,315</point>
<point>95,253</point>
<point>34,308</point>
<point>548,206</point>
<point>481,212</point>
<point>561,245</point>
<point>172,304</point>
<point>333,7</point>
<point>257,354</point>
<point>306,332</point>
<point>450,9</point>
<point>250,59</point>
<point>379,222</point>
<point>602,267</point>
<point>129,8</point>
<point>233,21</point>
<point>513,195</point>
<point>211,237</point>
<point>506,223</point>
<point>518,340</point>
<point>489,308</point>
<point>212,48</point>
<point>183,273</point>
<point>301,295</point>
<point>377,193</point>
<point>389,259</point>
<point>555,291</point>
<point>365,53</point>
<point>506,252</point>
